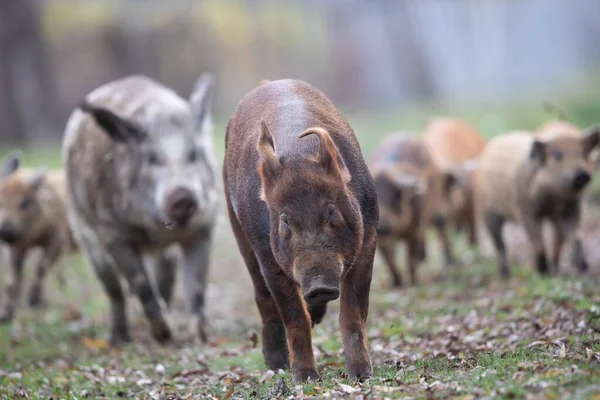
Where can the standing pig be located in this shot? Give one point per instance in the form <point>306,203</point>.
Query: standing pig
<point>526,179</point>
<point>33,215</point>
<point>409,187</point>
<point>141,177</point>
<point>454,146</point>
<point>304,212</point>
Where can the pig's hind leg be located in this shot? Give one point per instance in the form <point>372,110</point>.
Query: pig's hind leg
<point>49,257</point>
<point>129,261</point>
<point>195,270</point>
<point>494,223</point>
<point>13,289</point>
<point>387,247</point>
<point>533,227</point>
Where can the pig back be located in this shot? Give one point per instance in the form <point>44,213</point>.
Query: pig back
<point>452,141</point>
<point>406,153</point>
<point>288,108</point>
<point>497,177</point>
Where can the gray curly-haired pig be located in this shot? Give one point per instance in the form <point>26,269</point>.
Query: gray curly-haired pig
<point>141,177</point>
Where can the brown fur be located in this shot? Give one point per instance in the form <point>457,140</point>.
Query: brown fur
<point>312,237</point>
<point>409,187</point>
<point>33,215</point>
<point>454,146</point>
<point>526,180</point>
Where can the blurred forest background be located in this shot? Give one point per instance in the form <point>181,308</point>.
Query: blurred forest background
<point>368,56</point>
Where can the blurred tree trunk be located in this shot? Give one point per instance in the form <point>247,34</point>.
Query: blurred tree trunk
<point>26,91</point>
<point>410,54</point>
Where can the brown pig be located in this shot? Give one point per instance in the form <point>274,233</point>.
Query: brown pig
<point>408,186</point>
<point>454,146</point>
<point>303,208</point>
<point>32,215</point>
<point>526,179</point>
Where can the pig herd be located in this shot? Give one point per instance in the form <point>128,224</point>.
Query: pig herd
<point>140,184</point>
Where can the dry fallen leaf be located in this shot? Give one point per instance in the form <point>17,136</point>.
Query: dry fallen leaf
<point>267,376</point>
<point>229,393</point>
<point>347,388</point>
<point>254,339</point>
<point>95,344</point>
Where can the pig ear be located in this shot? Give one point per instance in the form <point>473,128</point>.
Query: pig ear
<point>11,163</point>
<point>38,178</point>
<point>119,129</point>
<point>591,139</point>
<point>328,155</point>
<point>202,97</point>
<point>538,151</point>
<point>269,165</point>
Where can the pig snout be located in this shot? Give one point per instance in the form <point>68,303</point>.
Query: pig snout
<point>320,290</point>
<point>8,234</point>
<point>181,205</point>
<point>581,179</point>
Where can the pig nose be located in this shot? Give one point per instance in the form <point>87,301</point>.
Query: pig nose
<point>8,234</point>
<point>181,205</point>
<point>321,292</point>
<point>581,179</point>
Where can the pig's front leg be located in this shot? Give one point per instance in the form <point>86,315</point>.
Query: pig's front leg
<point>48,259</point>
<point>354,308</point>
<point>197,258</point>
<point>128,259</point>
<point>13,289</point>
<point>295,316</point>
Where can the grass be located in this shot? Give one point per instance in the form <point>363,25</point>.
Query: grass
<point>460,333</point>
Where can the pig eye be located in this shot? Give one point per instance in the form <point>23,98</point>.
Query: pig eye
<point>153,158</point>
<point>284,220</point>
<point>25,203</point>
<point>558,155</point>
<point>330,210</point>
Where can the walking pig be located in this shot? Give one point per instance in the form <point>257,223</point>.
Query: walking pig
<point>141,177</point>
<point>304,212</point>
<point>409,187</point>
<point>33,214</point>
<point>526,179</point>
<point>454,146</point>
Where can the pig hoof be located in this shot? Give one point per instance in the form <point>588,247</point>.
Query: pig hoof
<point>276,359</point>
<point>201,337</point>
<point>583,266</point>
<point>305,375</point>
<point>6,317</point>
<point>359,372</point>
<point>119,340</point>
<point>160,330</point>
<point>35,299</point>
<point>397,284</point>
<point>198,330</point>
